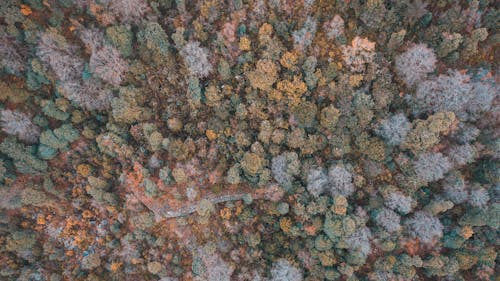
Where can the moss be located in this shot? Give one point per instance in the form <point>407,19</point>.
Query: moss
<point>426,133</point>
<point>20,241</point>
<point>252,163</point>
<point>264,76</point>
<point>12,94</point>
<point>121,38</point>
<point>50,109</point>
<point>49,139</point>
<point>154,267</point>
<point>329,117</point>
<point>205,208</point>
<point>155,140</point>
<point>153,44</point>
<point>213,95</point>
<point>24,160</point>
<point>373,148</point>
<point>305,114</point>
<point>233,174</point>
<point>340,204</point>
<point>30,196</point>
<point>126,107</point>
<point>322,243</point>
<point>67,132</point>
<point>179,176</point>
<point>178,150</point>
<point>142,221</point>
<point>91,261</point>
<point>46,152</point>
<point>36,77</point>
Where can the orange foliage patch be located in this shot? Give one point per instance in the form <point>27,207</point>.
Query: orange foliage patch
<point>412,247</point>
<point>26,10</point>
<point>310,230</point>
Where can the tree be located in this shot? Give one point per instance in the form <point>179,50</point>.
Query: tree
<point>19,124</point>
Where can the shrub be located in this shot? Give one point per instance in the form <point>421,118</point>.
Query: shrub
<point>68,67</point>
<point>466,133</point>
<point>363,106</point>
<point>19,124</point>
<point>125,107</point>
<point>264,76</point>
<point>91,261</point>
<point>48,138</point>
<point>233,174</point>
<point>337,182</point>
<point>3,170</point>
<point>414,64</point>
<point>21,242</point>
<point>415,10</point>
<point>93,39</point>
<point>252,163</point>
<point>51,110</point>
<point>309,68</point>
<point>121,38</point>
<point>329,117</point>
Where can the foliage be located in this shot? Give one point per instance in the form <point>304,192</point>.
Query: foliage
<point>414,64</point>
<point>425,227</point>
<point>196,59</point>
<point>249,140</point>
<point>19,124</point>
<point>283,270</point>
<point>394,129</point>
<point>431,166</point>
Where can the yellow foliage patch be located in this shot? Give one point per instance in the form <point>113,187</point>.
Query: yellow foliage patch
<point>211,135</point>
